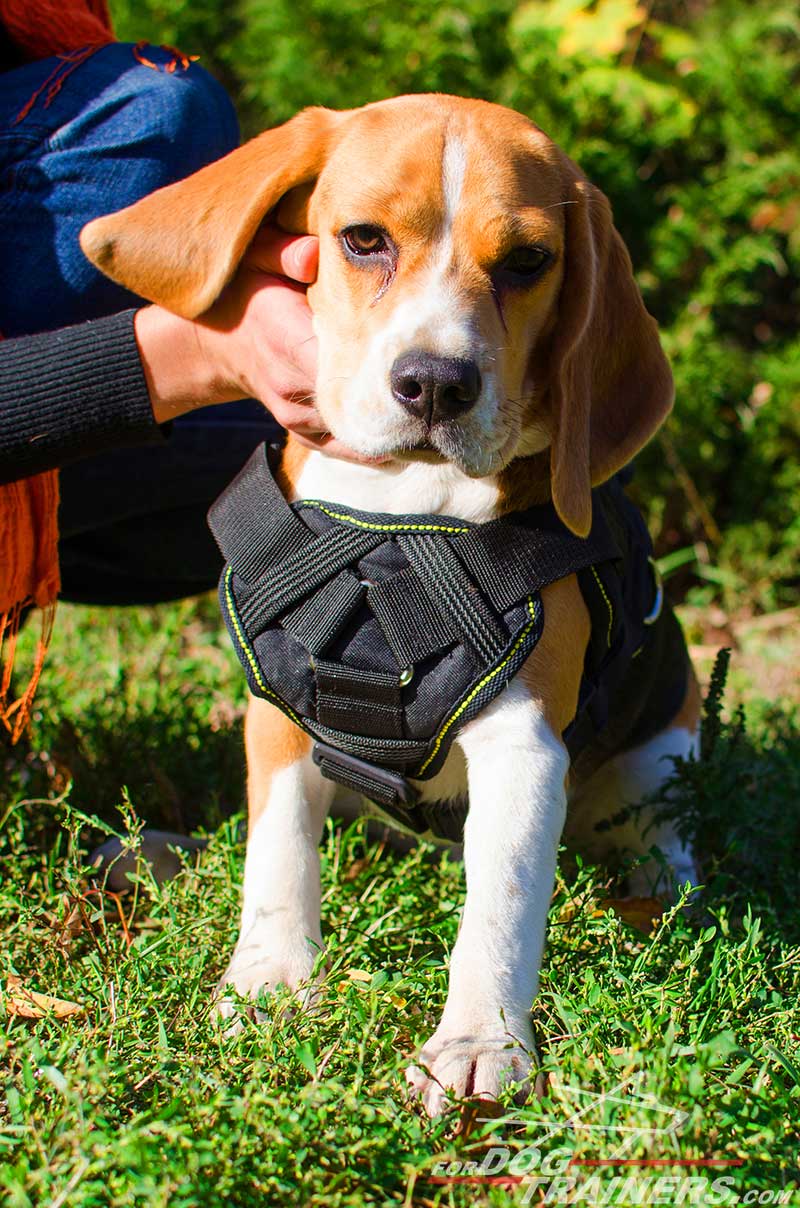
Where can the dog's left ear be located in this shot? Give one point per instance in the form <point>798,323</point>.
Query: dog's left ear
<point>610,384</point>
<point>181,245</point>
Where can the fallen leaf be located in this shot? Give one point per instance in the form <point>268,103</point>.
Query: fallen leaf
<point>641,913</point>
<point>356,868</point>
<point>475,1112</point>
<point>353,975</point>
<point>30,1004</point>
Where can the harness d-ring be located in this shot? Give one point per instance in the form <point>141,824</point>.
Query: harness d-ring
<point>658,602</point>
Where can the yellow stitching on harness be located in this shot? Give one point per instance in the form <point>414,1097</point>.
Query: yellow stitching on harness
<point>533,609</point>
<point>384,528</point>
<point>246,648</point>
<point>608,606</point>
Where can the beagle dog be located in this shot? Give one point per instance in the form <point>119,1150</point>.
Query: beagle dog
<point>480,330</point>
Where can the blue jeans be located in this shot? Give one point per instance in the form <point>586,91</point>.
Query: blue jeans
<point>133,522</point>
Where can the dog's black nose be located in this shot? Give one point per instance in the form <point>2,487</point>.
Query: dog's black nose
<point>433,387</point>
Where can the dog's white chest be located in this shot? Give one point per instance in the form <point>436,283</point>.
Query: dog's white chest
<point>398,488</point>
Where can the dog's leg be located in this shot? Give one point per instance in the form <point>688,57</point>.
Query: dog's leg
<point>516,773</point>
<point>640,773</point>
<point>516,770</point>
<point>288,800</point>
<point>607,825</point>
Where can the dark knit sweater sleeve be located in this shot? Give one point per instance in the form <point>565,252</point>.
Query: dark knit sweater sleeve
<point>68,394</point>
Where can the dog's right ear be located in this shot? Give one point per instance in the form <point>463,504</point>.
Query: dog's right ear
<point>181,245</point>
<point>611,384</point>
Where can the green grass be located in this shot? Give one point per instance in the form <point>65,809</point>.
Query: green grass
<point>142,1101</point>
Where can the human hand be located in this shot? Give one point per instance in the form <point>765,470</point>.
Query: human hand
<point>256,341</point>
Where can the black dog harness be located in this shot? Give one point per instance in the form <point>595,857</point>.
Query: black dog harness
<point>382,635</point>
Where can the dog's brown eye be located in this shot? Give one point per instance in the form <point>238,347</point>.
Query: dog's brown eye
<point>365,240</point>
<point>524,262</point>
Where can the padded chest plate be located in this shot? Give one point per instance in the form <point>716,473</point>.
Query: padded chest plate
<point>382,635</point>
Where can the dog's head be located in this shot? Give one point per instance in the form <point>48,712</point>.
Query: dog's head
<point>474,301</point>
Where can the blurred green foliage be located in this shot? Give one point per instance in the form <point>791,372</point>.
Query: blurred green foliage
<point>686,114</point>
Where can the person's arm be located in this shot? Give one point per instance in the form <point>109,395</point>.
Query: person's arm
<point>70,393</point>
<point>102,385</point>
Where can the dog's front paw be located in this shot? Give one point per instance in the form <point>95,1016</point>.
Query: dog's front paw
<point>472,1067</point>
<point>252,970</point>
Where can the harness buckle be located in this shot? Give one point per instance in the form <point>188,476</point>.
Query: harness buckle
<point>388,789</point>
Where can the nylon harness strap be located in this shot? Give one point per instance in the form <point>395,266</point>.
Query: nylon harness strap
<point>438,596</point>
